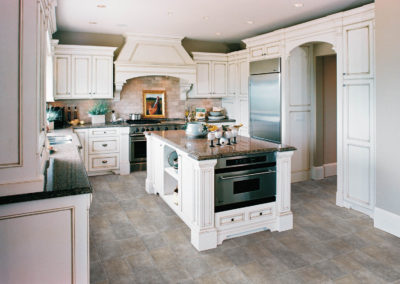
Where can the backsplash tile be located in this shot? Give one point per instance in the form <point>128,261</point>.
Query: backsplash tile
<point>132,99</point>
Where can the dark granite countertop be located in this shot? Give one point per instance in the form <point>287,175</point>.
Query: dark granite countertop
<point>163,122</point>
<point>65,174</point>
<point>199,149</point>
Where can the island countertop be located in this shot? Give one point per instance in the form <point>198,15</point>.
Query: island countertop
<point>199,149</point>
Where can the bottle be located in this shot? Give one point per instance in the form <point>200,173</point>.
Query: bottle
<point>75,113</point>
<point>113,116</point>
<point>69,113</point>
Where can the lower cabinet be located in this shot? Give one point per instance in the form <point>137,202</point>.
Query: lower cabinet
<point>45,241</point>
<point>101,149</point>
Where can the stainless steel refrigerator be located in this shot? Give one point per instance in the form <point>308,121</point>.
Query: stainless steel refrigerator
<point>265,100</point>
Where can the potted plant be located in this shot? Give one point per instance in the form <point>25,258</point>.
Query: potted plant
<point>98,112</point>
<point>51,117</point>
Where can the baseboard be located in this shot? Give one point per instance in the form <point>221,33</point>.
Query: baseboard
<point>387,221</point>
<point>300,176</point>
<point>317,173</point>
<point>330,169</point>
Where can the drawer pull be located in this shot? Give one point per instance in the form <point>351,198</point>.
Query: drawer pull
<point>260,213</point>
<point>233,219</point>
<point>105,132</point>
<point>104,161</point>
<point>104,145</point>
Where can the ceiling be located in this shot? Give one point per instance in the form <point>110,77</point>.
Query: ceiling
<point>210,20</point>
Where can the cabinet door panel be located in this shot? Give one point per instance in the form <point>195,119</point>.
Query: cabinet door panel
<point>244,116</point>
<point>357,50</point>
<point>102,86</point>
<point>300,138</point>
<point>244,77</point>
<point>62,70</point>
<point>219,78</point>
<point>203,78</point>
<point>81,76</point>
<point>299,68</point>
<point>232,78</point>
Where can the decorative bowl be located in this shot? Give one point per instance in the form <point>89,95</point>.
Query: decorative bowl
<point>196,130</point>
<point>216,113</point>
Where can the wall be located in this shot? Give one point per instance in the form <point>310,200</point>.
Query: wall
<point>325,110</point>
<point>387,105</point>
<point>132,98</point>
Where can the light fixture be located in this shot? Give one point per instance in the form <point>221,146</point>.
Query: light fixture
<point>101,6</point>
<point>298,5</point>
<point>205,18</point>
<point>93,23</point>
<point>218,33</point>
<point>250,22</point>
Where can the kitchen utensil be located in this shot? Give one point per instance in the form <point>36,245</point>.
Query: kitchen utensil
<point>196,130</point>
<point>135,116</point>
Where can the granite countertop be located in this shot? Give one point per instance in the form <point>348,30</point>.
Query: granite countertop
<point>163,122</point>
<point>199,149</point>
<point>65,173</point>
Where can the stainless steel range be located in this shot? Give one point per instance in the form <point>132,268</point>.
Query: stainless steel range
<point>138,140</point>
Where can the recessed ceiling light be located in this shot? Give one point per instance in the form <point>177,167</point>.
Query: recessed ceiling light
<point>218,33</point>
<point>93,23</point>
<point>298,5</point>
<point>250,22</point>
<point>170,13</point>
<point>122,25</point>
<point>101,6</point>
<point>205,18</point>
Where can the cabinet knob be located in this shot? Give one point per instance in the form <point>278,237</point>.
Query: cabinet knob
<point>104,145</point>
<point>104,161</point>
<point>260,213</point>
<point>233,219</point>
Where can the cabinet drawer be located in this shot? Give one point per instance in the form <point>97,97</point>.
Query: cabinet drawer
<point>261,213</point>
<point>272,49</point>
<point>103,145</point>
<point>233,219</point>
<point>97,132</point>
<point>103,162</point>
<point>257,52</point>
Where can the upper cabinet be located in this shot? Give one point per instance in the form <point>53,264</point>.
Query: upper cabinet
<point>83,72</point>
<point>265,51</point>
<point>211,75</point>
<point>358,51</point>
<point>238,73</point>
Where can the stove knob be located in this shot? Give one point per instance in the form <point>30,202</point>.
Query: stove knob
<point>158,128</point>
<point>166,128</point>
<point>143,129</point>
<point>151,128</point>
<point>176,128</point>
<point>147,129</point>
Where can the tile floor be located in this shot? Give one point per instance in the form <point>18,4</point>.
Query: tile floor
<point>136,238</point>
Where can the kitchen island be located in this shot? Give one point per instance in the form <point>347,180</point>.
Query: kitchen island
<point>190,191</point>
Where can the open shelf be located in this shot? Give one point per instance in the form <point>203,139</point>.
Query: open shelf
<point>169,199</point>
<point>172,172</point>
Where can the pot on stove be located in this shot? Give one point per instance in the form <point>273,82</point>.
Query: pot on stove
<point>135,116</point>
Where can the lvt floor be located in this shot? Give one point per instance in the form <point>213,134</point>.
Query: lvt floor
<point>136,238</point>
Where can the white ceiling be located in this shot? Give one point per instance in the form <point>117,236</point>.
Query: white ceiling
<point>186,17</point>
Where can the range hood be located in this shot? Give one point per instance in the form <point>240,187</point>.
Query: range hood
<point>153,55</point>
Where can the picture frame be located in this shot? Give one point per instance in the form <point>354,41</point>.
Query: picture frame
<point>154,103</point>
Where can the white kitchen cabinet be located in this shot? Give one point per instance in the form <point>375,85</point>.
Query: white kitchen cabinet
<point>270,50</point>
<point>243,118</point>
<point>83,72</point>
<point>243,66</point>
<point>62,76</point>
<point>358,51</point>
<point>232,78</point>
<point>211,75</point>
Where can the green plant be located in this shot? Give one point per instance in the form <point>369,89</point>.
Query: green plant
<point>51,115</point>
<point>100,108</point>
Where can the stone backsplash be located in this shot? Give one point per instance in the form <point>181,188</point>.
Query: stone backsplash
<point>132,99</point>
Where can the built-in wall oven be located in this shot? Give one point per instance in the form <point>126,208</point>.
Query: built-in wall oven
<point>245,181</point>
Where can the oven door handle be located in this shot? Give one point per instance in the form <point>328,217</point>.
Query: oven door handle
<point>248,175</point>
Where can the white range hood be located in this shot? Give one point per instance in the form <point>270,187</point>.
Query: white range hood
<point>152,55</point>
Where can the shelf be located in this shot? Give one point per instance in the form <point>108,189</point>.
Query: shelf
<point>169,199</point>
<point>172,172</point>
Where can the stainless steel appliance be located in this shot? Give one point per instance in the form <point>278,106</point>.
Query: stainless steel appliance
<point>245,181</point>
<point>138,149</point>
<point>265,100</point>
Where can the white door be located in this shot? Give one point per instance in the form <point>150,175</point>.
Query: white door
<point>358,164</point>
<point>62,75</point>
<point>243,77</point>
<point>232,78</point>
<point>358,51</point>
<point>102,77</point>
<point>203,74</point>
<point>81,76</point>
<point>219,79</point>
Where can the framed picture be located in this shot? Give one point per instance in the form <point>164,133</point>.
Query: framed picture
<point>154,104</point>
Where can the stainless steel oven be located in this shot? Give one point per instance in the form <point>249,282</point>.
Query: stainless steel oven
<point>245,181</point>
<point>138,152</point>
